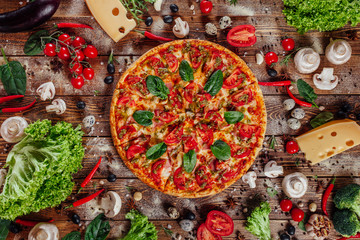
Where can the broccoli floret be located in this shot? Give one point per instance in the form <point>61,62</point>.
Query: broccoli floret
<point>348,197</point>
<point>346,222</point>
<point>258,223</point>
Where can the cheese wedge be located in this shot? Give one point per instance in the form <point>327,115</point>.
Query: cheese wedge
<point>111,15</point>
<point>329,139</point>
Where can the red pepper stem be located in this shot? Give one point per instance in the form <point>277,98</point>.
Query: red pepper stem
<point>333,180</point>
<point>11,97</point>
<point>91,174</point>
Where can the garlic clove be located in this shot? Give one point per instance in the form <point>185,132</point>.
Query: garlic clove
<point>259,58</point>
<point>338,52</point>
<point>12,129</point>
<point>307,60</point>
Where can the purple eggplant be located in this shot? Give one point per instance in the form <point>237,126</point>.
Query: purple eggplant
<point>29,16</point>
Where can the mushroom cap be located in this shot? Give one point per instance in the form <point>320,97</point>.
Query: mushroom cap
<point>272,170</point>
<point>295,185</point>
<point>338,51</point>
<point>307,60</point>
<point>44,231</point>
<point>12,129</point>
<point>111,204</point>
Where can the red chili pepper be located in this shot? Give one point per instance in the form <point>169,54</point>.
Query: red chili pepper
<point>72,25</point>
<point>356,236</point>
<point>8,98</point>
<point>326,196</point>
<point>279,83</point>
<point>298,101</point>
<point>28,223</point>
<point>85,200</point>
<point>17,109</point>
<point>91,174</point>
<point>153,36</point>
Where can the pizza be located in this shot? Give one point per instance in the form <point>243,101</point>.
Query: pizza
<point>188,118</point>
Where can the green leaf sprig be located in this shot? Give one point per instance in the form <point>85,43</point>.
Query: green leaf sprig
<point>214,83</point>
<point>307,92</point>
<point>143,117</point>
<point>233,117</point>
<point>186,72</point>
<point>157,87</point>
<point>156,151</point>
<point>221,150</point>
<point>321,119</point>
<point>189,161</point>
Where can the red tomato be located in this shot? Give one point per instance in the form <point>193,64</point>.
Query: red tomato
<point>190,143</point>
<point>271,58</point>
<point>215,63</point>
<point>242,36</point>
<point>50,50</point>
<point>214,116</point>
<point>77,82</point>
<point>234,80</point>
<point>286,205</point>
<point>203,176</point>
<point>204,234</point>
<point>88,73</point>
<point>228,175</point>
<point>175,136</point>
<point>242,98</point>
<point>64,53</point>
<point>196,58</point>
<point>206,6</point>
<point>79,55</point>
<point>156,170</point>
<point>167,117</point>
<point>179,179</point>
<point>176,97</point>
<point>131,79</point>
<point>297,214</point>
<point>134,150</point>
<point>292,147</point>
<point>90,51</point>
<point>219,223</point>
<point>206,134</point>
<point>78,42</point>
<point>239,152</point>
<point>64,39</point>
<point>189,92</point>
<point>172,62</point>
<point>77,68</point>
<point>247,131</point>
<point>122,101</point>
<point>156,63</point>
<point>203,98</point>
<point>288,44</point>
<point>124,131</point>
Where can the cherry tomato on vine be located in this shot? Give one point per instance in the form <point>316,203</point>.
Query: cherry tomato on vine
<point>50,50</point>
<point>206,6</point>
<point>90,51</point>
<point>297,214</point>
<point>271,58</point>
<point>79,55</point>
<point>64,53</point>
<point>77,68</point>
<point>77,82</point>
<point>286,205</point>
<point>78,42</point>
<point>88,73</point>
<point>288,44</point>
<point>292,147</point>
<point>65,39</point>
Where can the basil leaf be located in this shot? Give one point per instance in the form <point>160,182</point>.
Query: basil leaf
<point>233,117</point>
<point>4,228</point>
<point>72,236</point>
<point>214,83</point>
<point>156,151</point>
<point>306,91</point>
<point>157,87</point>
<point>321,119</point>
<point>143,117</point>
<point>221,150</point>
<point>34,45</point>
<point>186,72</point>
<point>13,77</point>
<point>98,229</point>
<point>189,161</point>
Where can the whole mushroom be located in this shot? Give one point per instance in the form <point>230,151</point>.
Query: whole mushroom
<point>46,91</point>
<point>181,28</point>
<point>326,79</point>
<point>12,129</point>
<point>295,185</point>
<point>272,170</point>
<point>58,106</point>
<point>250,178</point>
<point>307,60</point>
<point>44,231</point>
<point>338,52</point>
<point>110,203</point>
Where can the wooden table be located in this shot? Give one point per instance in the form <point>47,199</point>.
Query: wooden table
<point>271,27</point>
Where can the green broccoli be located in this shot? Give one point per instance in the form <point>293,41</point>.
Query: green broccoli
<point>346,222</point>
<point>258,222</point>
<point>348,197</point>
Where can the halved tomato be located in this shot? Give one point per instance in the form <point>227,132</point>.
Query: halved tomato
<point>134,150</point>
<point>239,152</point>
<point>242,36</point>
<point>204,234</point>
<point>247,131</point>
<point>131,79</point>
<point>234,80</point>
<point>196,58</point>
<point>189,92</point>
<point>172,62</point>
<point>174,137</point>
<point>176,97</point>
<point>156,63</point>
<point>219,223</point>
<point>206,134</point>
<point>179,179</point>
<point>228,175</point>
<point>203,176</point>
<point>125,131</point>
<point>167,117</point>
<point>242,98</point>
<point>190,143</point>
<point>156,170</point>
<point>122,101</point>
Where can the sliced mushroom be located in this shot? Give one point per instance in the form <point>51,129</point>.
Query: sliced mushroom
<point>3,174</point>
<point>318,226</point>
<point>272,170</point>
<point>338,52</point>
<point>12,129</point>
<point>250,178</point>
<point>181,28</point>
<point>44,231</point>
<point>157,5</point>
<point>111,204</point>
<point>46,91</point>
<point>307,60</point>
<point>295,185</point>
<point>58,106</point>
<point>326,79</point>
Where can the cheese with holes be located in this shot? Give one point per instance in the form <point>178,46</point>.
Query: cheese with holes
<point>329,139</point>
<point>111,15</point>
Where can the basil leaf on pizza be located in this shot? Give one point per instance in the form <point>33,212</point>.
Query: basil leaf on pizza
<point>189,161</point>
<point>214,83</point>
<point>143,117</point>
<point>156,151</point>
<point>157,87</point>
<point>221,150</point>
<point>233,117</point>
<point>186,72</point>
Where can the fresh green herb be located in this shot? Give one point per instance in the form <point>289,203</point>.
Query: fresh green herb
<point>156,151</point>
<point>143,117</point>
<point>157,87</point>
<point>233,117</point>
<point>4,228</point>
<point>315,177</point>
<point>258,222</point>
<point>273,142</point>
<point>98,229</point>
<point>136,7</point>
<point>307,92</point>
<point>96,92</point>
<point>73,236</point>
<point>214,83</point>
<point>189,161</point>
<point>13,77</point>
<point>221,150</point>
<point>186,72</point>
<point>36,42</point>
<point>233,2</point>
<point>297,162</point>
<point>321,119</point>
<point>129,188</point>
<point>285,61</point>
<point>303,222</point>
<point>167,231</point>
<point>271,192</point>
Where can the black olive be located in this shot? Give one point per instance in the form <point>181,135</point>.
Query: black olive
<point>109,80</point>
<point>75,218</point>
<point>168,19</point>
<point>290,230</point>
<point>149,21</point>
<point>111,178</point>
<point>14,228</point>
<point>272,72</point>
<point>80,105</point>
<point>346,107</point>
<point>341,114</point>
<point>174,8</point>
<point>284,236</point>
<point>189,215</point>
<point>110,68</point>
<point>358,116</point>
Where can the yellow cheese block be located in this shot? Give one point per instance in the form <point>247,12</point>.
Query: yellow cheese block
<point>111,15</point>
<point>329,139</point>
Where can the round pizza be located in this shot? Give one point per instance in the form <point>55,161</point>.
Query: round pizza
<point>188,118</point>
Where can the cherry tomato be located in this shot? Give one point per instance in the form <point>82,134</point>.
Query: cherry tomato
<point>64,53</point>
<point>271,58</point>
<point>77,82</point>
<point>90,51</point>
<point>50,50</point>
<point>65,39</point>
<point>288,44</point>
<point>286,205</point>
<point>206,6</point>
<point>204,234</point>
<point>292,147</point>
<point>77,68</point>
<point>79,55</point>
<point>189,92</point>
<point>297,214</point>
<point>134,150</point>
<point>234,80</point>
<point>219,223</point>
<point>78,42</point>
<point>88,73</point>
<point>172,61</point>
<point>247,131</point>
<point>242,36</point>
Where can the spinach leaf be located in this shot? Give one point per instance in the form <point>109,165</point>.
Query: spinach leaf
<point>73,236</point>
<point>189,161</point>
<point>221,150</point>
<point>306,91</point>
<point>13,77</point>
<point>98,229</point>
<point>233,117</point>
<point>4,228</point>
<point>321,119</point>
<point>156,151</point>
<point>34,45</point>
<point>143,117</point>
<point>215,83</point>
<point>157,87</point>
<point>186,72</point>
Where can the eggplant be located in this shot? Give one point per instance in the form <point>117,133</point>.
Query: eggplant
<point>29,16</point>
